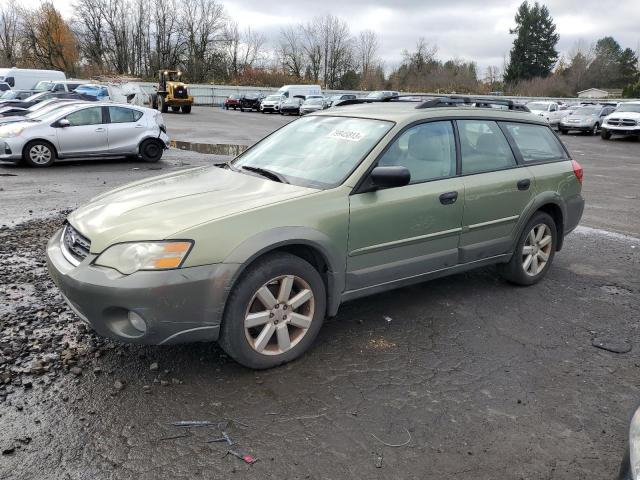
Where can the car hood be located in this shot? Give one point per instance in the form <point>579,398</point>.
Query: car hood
<point>5,120</point>
<point>538,112</point>
<point>159,207</point>
<point>629,115</point>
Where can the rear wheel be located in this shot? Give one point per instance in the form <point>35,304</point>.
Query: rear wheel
<point>151,150</point>
<point>186,109</point>
<point>162,104</point>
<point>534,252</point>
<point>39,154</point>
<point>274,312</point>
<point>594,130</point>
<point>605,134</point>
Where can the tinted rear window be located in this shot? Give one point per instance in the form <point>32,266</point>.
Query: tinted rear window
<point>536,143</point>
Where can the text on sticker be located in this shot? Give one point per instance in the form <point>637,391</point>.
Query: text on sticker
<point>346,135</point>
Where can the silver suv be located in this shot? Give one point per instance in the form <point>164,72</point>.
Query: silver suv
<point>85,130</point>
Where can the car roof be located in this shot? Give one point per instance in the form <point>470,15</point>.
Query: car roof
<point>406,112</point>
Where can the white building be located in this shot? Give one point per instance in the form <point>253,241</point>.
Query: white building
<point>599,93</point>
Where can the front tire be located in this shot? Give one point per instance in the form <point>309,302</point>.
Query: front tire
<point>594,130</point>
<point>175,109</point>
<point>564,131</point>
<point>605,134</point>
<point>39,154</point>
<point>151,150</point>
<point>186,109</point>
<point>534,251</point>
<point>162,104</point>
<point>274,312</point>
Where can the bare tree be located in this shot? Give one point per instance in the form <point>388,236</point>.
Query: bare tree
<point>292,51</point>
<point>243,49</point>
<point>9,33</point>
<point>166,35</point>
<point>367,45</point>
<point>203,25</point>
<point>90,30</point>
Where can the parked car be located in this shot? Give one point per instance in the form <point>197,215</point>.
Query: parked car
<point>291,106</point>
<point>26,78</point>
<point>382,94</point>
<point>250,101</point>
<point>338,98</point>
<point>314,104</point>
<point>16,95</point>
<point>19,105</point>
<point>586,119</point>
<point>233,101</point>
<point>630,467</point>
<point>547,110</point>
<point>85,130</point>
<point>271,103</point>
<point>59,86</point>
<point>4,86</point>
<point>326,209</point>
<point>38,110</point>
<point>625,120</point>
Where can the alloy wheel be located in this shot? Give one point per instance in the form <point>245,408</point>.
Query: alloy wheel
<point>537,249</point>
<point>40,154</point>
<point>279,315</point>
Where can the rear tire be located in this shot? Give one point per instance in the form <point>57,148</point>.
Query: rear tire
<point>604,134</point>
<point>162,104</point>
<point>286,330</point>
<point>594,131</point>
<point>39,154</point>
<point>151,150</point>
<point>534,251</point>
<point>186,109</point>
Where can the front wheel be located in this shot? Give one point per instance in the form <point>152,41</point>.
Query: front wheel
<point>605,134</point>
<point>186,109</point>
<point>534,252</point>
<point>564,131</point>
<point>151,150</point>
<point>274,312</point>
<point>175,109</point>
<point>39,154</point>
<point>594,130</point>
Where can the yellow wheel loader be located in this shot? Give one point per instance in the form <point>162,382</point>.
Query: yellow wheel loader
<point>172,92</point>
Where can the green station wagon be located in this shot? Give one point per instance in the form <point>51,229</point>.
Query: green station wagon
<point>341,204</point>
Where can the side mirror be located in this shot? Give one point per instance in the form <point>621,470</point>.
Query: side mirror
<point>63,123</point>
<point>389,177</point>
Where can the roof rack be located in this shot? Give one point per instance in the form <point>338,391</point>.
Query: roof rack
<point>439,101</point>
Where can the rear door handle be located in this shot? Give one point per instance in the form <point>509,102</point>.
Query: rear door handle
<point>524,184</point>
<point>100,129</point>
<point>448,198</point>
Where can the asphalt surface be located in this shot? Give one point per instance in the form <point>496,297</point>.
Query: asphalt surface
<point>463,377</point>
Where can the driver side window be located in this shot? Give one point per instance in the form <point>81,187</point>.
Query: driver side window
<point>87,116</point>
<point>428,151</point>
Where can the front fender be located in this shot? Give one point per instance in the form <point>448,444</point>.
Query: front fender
<point>269,240</point>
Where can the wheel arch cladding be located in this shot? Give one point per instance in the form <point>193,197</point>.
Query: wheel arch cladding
<point>555,212</point>
<point>311,245</point>
<point>40,140</point>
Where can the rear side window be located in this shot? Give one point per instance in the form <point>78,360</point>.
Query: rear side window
<point>536,143</point>
<point>124,115</point>
<point>483,147</point>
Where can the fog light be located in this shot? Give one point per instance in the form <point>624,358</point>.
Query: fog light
<point>137,322</point>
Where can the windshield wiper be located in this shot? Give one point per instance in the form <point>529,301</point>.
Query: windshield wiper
<point>270,174</point>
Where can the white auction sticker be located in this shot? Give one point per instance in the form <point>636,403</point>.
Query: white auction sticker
<point>349,135</point>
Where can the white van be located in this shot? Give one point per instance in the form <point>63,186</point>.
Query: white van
<point>302,91</point>
<point>26,79</point>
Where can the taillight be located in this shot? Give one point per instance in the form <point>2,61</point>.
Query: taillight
<point>577,170</point>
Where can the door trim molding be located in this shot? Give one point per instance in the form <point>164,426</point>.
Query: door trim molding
<point>493,222</point>
<point>402,242</point>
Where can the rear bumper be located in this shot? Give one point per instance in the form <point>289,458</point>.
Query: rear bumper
<point>575,209</point>
<point>177,306</point>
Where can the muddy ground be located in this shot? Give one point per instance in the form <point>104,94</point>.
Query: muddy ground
<point>467,376</point>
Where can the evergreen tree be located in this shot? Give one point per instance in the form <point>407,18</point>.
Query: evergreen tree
<point>534,49</point>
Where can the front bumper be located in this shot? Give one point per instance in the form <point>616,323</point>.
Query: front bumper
<point>177,306</point>
<point>622,130</point>
<point>577,126</point>
<point>270,108</point>
<point>11,149</point>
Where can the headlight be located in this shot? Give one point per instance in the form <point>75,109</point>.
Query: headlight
<point>634,445</point>
<point>128,258</point>
<point>9,131</point>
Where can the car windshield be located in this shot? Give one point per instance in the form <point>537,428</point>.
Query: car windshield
<point>375,95</point>
<point>587,111</point>
<point>93,90</point>
<point>316,152</point>
<point>273,98</point>
<point>629,107</point>
<point>43,112</point>
<point>538,106</point>
<point>9,95</point>
<point>43,86</point>
<point>313,101</point>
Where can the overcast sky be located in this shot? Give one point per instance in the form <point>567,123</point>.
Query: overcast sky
<point>468,29</point>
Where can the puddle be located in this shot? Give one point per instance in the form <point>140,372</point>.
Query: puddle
<point>210,148</point>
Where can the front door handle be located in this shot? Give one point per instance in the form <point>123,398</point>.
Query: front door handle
<point>448,198</point>
<point>100,129</point>
<point>524,184</point>
<point>139,126</point>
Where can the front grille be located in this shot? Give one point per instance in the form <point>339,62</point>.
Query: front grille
<point>621,122</point>
<point>180,92</point>
<point>75,244</point>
